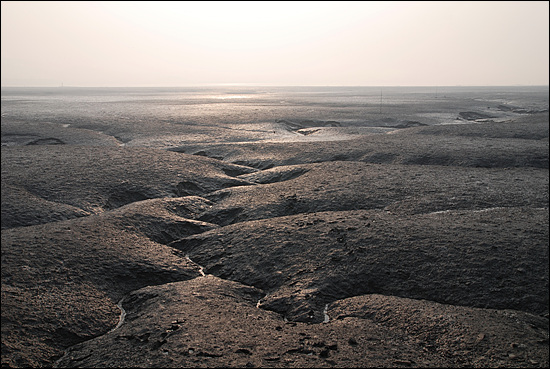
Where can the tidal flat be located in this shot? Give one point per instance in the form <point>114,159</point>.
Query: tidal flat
<point>275,227</point>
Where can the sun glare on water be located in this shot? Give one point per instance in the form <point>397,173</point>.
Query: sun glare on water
<point>229,97</point>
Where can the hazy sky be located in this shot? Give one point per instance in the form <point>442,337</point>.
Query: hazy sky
<point>182,43</point>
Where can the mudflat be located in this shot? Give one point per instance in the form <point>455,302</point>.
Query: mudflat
<point>297,234</point>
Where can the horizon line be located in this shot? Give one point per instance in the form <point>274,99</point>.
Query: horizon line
<point>263,85</point>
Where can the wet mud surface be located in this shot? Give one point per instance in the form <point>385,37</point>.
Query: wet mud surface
<point>418,246</point>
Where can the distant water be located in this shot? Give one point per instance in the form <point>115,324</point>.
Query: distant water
<point>132,112</point>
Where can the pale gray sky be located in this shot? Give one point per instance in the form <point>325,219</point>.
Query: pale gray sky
<point>274,43</point>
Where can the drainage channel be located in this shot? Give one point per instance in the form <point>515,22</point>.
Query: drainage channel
<point>121,319</point>
<point>203,274</point>
<point>122,316</point>
<point>201,268</point>
<point>325,314</point>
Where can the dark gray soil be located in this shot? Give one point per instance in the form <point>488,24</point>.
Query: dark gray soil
<point>424,247</point>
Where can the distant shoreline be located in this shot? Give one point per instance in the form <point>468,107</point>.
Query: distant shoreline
<point>274,86</point>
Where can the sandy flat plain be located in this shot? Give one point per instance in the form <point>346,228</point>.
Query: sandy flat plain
<point>273,230</point>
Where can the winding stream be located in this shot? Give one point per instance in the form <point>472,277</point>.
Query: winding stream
<point>201,268</point>
<point>325,313</point>
<point>120,322</point>
<point>122,316</point>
